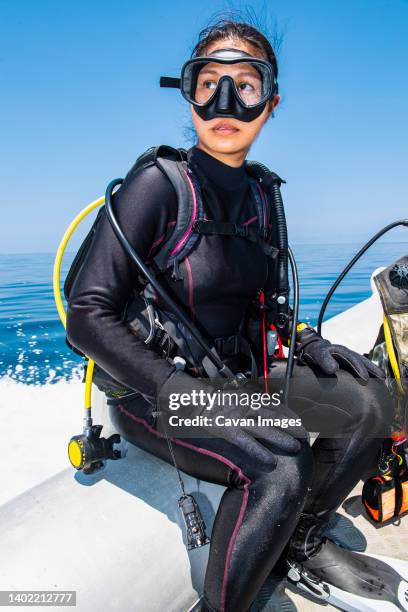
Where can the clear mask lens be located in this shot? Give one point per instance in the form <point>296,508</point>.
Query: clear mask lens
<point>253,81</point>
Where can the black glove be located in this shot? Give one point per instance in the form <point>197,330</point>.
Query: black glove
<point>247,437</point>
<point>313,349</point>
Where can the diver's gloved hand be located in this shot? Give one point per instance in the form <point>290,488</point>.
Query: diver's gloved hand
<point>313,349</point>
<point>260,441</point>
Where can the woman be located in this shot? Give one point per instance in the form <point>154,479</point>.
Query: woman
<point>278,488</point>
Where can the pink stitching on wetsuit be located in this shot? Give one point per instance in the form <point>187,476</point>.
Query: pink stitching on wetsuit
<point>231,465</point>
<point>265,201</point>
<point>159,240</point>
<point>232,542</point>
<point>251,220</point>
<point>155,244</point>
<point>193,218</point>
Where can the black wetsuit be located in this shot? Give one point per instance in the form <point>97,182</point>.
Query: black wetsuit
<point>261,506</point>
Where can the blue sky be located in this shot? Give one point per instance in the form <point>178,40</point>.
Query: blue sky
<point>80,101</point>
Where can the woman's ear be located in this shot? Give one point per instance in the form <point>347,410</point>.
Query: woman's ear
<point>274,103</point>
<point>271,106</point>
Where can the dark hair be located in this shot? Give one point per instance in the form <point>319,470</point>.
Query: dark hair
<point>229,28</point>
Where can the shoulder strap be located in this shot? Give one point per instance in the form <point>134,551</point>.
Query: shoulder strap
<point>262,173</point>
<point>190,209</point>
<point>262,209</point>
<point>173,163</point>
<point>263,180</point>
<point>151,155</point>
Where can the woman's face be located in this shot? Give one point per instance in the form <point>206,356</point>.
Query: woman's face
<point>230,136</point>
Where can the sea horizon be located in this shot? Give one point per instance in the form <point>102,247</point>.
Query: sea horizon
<point>32,340</point>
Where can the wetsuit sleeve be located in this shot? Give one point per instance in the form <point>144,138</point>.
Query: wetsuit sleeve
<point>146,206</point>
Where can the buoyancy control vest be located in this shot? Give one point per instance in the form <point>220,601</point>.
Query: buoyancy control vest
<point>159,329</point>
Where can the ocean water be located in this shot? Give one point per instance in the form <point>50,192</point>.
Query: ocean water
<point>32,339</point>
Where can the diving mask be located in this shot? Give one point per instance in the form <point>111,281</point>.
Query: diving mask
<point>226,83</point>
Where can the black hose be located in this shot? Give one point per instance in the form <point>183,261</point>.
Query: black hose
<point>285,253</point>
<point>161,291</point>
<point>295,317</point>
<point>282,235</point>
<point>351,264</point>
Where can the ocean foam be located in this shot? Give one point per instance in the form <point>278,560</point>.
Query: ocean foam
<point>36,425</point>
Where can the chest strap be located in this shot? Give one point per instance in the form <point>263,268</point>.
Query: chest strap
<point>226,228</point>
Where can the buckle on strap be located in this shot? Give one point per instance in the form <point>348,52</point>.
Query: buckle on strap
<point>197,226</point>
<point>227,346</point>
<point>305,581</point>
<point>241,230</point>
<point>269,250</point>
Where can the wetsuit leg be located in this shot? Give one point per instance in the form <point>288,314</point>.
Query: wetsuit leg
<point>339,463</point>
<point>256,515</point>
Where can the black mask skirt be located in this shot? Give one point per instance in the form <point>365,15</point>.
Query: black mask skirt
<point>227,83</point>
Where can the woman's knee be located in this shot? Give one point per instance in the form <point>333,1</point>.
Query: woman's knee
<point>280,493</point>
<point>372,405</point>
<point>381,407</point>
<point>295,471</point>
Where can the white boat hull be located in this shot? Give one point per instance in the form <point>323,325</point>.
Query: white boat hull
<point>116,538</point>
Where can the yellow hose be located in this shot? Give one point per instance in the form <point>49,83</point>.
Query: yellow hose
<point>88,384</point>
<point>56,281</point>
<point>391,354</point>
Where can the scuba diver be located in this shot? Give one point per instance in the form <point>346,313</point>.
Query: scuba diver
<point>280,492</point>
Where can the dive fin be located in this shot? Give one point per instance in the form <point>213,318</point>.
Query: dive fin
<point>355,582</point>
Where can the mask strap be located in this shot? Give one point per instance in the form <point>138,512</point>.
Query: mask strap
<point>170,82</point>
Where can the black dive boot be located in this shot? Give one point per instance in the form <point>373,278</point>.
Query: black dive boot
<point>349,580</point>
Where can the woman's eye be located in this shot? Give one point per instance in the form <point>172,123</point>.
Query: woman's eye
<point>209,84</point>
<point>245,86</point>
